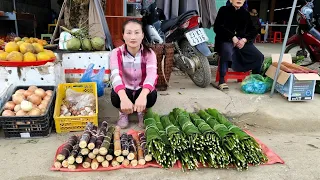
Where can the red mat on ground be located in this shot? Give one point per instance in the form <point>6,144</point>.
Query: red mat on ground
<point>273,159</point>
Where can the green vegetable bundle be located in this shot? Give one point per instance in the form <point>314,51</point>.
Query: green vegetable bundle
<point>189,129</point>
<point>155,144</point>
<point>175,136</point>
<point>169,157</point>
<point>215,155</point>
<point>228,138</point>
<point>250,148</point>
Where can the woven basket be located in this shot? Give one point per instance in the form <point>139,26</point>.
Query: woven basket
<point>164,53</point>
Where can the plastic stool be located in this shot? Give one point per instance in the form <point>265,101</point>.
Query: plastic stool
<point>275,37</point>
<point>239,76</point>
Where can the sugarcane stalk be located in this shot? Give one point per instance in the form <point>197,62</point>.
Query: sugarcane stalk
<point>105,164</point>
<point>57,164</point>
<point>124,144</point>
<point>147,156</point>
<point>84,140</point>
<point>106,142</point>
<point>87,163</point>
<point>92,142</point>
<point>73,154</point>
<point>91,155</point>
<point>84,151</point>
<point>72,166</point>
<point>94,164</point>
<point>120,159</point>
<point>79,159</point>
<point>115,163</point>
<point>132,148</point>
<point>141,160</point>
<point>67,148</point>
<point>65,163</point>
<point>109,157</point>
<point>126,162</point>
<point>100,158</point>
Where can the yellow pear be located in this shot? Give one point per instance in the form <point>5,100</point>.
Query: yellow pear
<point>50,53</point>
<point>38,47</point>
<point>43,56</point>
<point>29,57</point>
<point>26,47</point>
<point>20,42</point>
<point>17,39</point>
<point>3,56</point>
<point>11,46</point>
<point>15,56</point>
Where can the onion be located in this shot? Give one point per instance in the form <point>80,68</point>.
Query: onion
<point>20,91</point>
<point>40,92</point>
<point>47,98</point>
<point>32,88</point>
<point>17,98</point>
<point>21,113</point>
<point>17,108</point>
<point>49,92</point>
<point>45,102</point>
<point>27,93</point>
<point>35,99</point>
<point>35,112</point>
<point>9,105</point>
<point>26,106</point>
<point>8,113</point>
<point>42,107</point>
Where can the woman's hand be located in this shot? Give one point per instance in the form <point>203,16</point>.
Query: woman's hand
<point>241,43</point>
<point>140,104</point>
<point>126,106</point>
<point>235,41</point>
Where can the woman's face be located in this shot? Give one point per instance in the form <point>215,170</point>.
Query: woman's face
<point>237,3</point>
<point>133,35</point>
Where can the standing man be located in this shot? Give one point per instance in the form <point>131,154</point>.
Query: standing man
<point>255,20</point>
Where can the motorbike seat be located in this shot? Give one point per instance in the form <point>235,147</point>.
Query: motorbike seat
<point>166,25</point>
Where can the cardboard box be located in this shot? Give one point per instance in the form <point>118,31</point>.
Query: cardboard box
<point>293,86</point>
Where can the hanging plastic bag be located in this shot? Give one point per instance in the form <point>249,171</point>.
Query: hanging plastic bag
<point>88,76</point>
<point>256,84</point>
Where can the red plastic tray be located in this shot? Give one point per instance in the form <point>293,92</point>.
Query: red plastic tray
<point>25,64</point>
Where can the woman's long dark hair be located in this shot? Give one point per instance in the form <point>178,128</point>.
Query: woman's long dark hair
<point>146,48</point>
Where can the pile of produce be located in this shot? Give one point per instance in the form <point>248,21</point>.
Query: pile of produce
<point>103,146</point>
<point>78,104</point>
<point>31,102</point>
<point>293,68</point>
<point>26,50</point>
<point>82,40</point>
<point>205,138</point>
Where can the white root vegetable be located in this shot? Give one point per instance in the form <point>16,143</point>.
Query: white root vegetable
<point>26,106</point>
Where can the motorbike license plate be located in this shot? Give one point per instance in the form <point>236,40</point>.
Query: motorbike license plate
<point>197,36</point>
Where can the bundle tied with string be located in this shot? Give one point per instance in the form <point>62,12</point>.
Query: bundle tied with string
<point>164,53</point>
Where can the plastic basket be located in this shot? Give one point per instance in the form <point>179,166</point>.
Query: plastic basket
<point>74,123</point>
<point>29,126</point>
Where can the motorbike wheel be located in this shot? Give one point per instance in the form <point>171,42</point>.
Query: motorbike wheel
<point>296,51</point>
<point>202,75</point>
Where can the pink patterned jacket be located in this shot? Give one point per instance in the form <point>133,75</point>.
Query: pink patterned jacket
<point>128,72</point>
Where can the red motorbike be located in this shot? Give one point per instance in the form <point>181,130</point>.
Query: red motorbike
<point>306,42</point>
